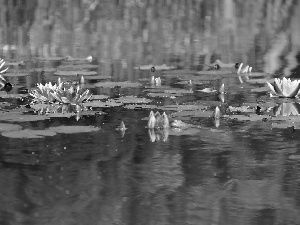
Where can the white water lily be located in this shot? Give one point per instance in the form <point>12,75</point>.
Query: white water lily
<point>158,121</point>
<point>51,93</point>
<point>72,95</point>
<point>246,69</point>
<point>2,62</point>
<point>285,87</point>
<point>42,93</point>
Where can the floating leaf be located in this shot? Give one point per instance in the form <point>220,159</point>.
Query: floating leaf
<point>243,109</point>
<point>182,107</point>
<point>239,117</point>
<point>196,113</point>
<point>163,95</point>
<point>3,94</point>
<point>50,58</point>
<point>99,77</point>
<point>157,67</point>
<point>179,91</point>
<point>261,89</point>
<point>74,129</point>
<point>77,67</point>
<point>16,74</point>
<point>99,97</point>
<point>215,72</point>
<point>208,90</point>
<point>60,115</point>
<point>75,73</point>
<point>260,81</point>
<point>9,127</point>
<point>110,103</point>
<point>28,133</point>
<point>179,72</point>
<point>140,106</point>
<point>281,125</point>
<point>18,117</point>
<point>125,84</point>
<point>44,69</point>
<point>132,99</point>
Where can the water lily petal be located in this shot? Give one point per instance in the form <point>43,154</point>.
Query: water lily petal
<point>271,88</point>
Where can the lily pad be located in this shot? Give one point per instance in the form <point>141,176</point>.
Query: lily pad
<point>75,73</point>
<point>50,58</point>
<point>163,95</point>
<point>179,91</point>
<point>9,127</point>
<point>196,113</point>
<point>19,117</point>
<point>179,72</point>
<point>74,129</point>
<point>142,106</point>
<point>77,67</point>
<point>28,133</point>
<point>60,115</point>
<point>16,74</point>
<point>182,107</point>
<point>99,77</point>
<point>243,109</point>
<point>281,125</point>
<point>3,94</point>
<point>157,67</point>
<point>100,104</point>
<point>99,97</point>
<point>132,99</point>
<point>261,89</point>
<point>214,72</point>
<point>44,69</point>
<point>260,81</point>
<point>125,84</point>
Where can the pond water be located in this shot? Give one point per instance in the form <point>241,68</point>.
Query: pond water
<point>66,164</point>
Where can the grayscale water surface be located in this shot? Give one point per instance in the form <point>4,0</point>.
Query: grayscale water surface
<point>242,172</point>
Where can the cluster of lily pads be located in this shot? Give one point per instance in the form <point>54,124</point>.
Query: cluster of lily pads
<point>177,119</point>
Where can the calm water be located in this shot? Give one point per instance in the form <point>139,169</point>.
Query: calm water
<point>239,173</point>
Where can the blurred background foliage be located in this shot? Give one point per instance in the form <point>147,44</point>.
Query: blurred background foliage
<point>262,33</point>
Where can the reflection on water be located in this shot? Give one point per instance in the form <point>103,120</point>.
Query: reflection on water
<point>236,174</point>
<point>262,34</point>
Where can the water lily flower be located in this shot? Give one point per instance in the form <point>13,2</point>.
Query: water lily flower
<point>217,113</point>
<point>42,93</point>
<point>285,87</point>
<point>158,121</point>
<point>2,62</point>
<point>82,80</point>
<point>152,81</point>
<point>158,81</point>
<point>71,95</point>
<point>151,121</point>
<point>247,69</point>
<point>165,121</point>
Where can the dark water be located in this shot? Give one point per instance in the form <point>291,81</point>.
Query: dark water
<point>240,173</point>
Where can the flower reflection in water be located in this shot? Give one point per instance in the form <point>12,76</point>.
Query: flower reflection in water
<point>157,135</point>
<point>284,88</point>
<point>64,109</point>
<point>287,109</point>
